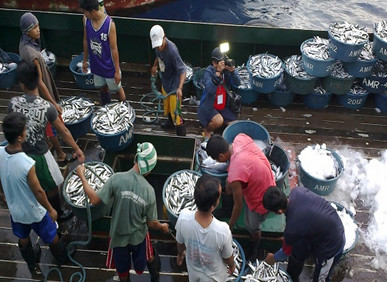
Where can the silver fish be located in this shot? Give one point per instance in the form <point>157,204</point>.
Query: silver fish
<point>349,33</point>
<point>380,29</point>
<point>75,109</point>
<point>265,65</point>
<point>295,67</point>
<point>339,72</point>
<point>244,77</point>
<point>317,48</point>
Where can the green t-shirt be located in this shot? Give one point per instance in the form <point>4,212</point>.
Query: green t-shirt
<point>134,205</point>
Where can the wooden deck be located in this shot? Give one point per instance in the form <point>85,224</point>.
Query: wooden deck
<point>293,127</point>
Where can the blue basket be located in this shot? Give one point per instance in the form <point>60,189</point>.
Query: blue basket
<point>281,98</point>
<point>321,187</point>
<point>197,80</point>
<point>336,85</point>
<point>279,157</point>
<point>380,101</point>
<point>9,78</point>
<point>360,68</point>
<point>374,84</point>
<point>84,81</point>
<point>379,48</point>
<point>352,101</point>
<point>299,85</point>
<point>316,67</point>
<point>263,84</point>
<point>251,128</point>
<point>317,101</point>
<point>249,96</point>
<point>342,51</point>
<point>81,127</point>
<point>221,176</point>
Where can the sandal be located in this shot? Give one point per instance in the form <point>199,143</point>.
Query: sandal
<point>69,158</point>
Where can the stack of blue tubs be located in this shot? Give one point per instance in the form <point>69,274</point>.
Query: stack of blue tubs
<point>380,40</point>
<point>245,89</point>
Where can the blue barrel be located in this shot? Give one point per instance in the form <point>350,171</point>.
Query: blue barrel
<point>249,127</point>
<point>342,51</point>
<point>316,67</point>
<point>279,157</point>
<point>352,101</point>
<point>321,187</point>
<point>281,98</point>
<point>360,68</point>
<point>337,85</point>
<point>84,81</point>
<point>379,47</point>
<point>316,100</point>
<point>197,80</point>
<point>249,96</point>
<point>9,78</point>
<point>375,84</point>
<point>81,127</point>
<point>380,101</point>
<point>221,176</point>
<point>299,85</point>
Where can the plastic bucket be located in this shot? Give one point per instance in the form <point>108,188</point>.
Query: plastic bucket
<point>299,85</point>
<point>279,157</point>
<point>316,67</point>
<point>171,215</point>
<point>317,101</point>
<point>81,127</point>
<point>352,101</point>
<point>345,52</point>
<point>379,47</point>
<point>321,187</point>
<point>360,68</point>
<point>374,84</point>
<point>338,86</point>
<point>380,101</point>
<point>197,80</point>
<point>221,176</point>
<point>9,78</point>
<point>97,211</point>
<point>281,98</point>
<point>249,96</point>
<point>84,81</point>
<point>243,266</point>
<point>251,128</point>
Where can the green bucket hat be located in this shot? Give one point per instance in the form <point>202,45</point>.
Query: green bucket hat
<point>146,157</point>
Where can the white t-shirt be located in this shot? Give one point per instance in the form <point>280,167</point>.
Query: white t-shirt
<point>206,248</point>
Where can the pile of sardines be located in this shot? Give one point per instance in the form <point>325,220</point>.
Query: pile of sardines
<point>96,175</point>
<point>295,67</point>
<point>262,271</point>
<point>349,33</point>
<point>381,30</point>
<point>244,77</point>
<point>317,48</point>
<point>75,109</point>
<point>113,118</point>
<point>265,65</point>
<point>238,259</point>
<point>179,191</point>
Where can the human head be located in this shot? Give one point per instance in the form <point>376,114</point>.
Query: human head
<point>218,148</point>
<point>274,199</point>
<point>28,75</point>
<point>217,55</point>
<point>146,157</point>
<point>88,6</point>
<point>157,36</point>
<point>14,125</point>
<point>27,22</point>
<point>207,192</point>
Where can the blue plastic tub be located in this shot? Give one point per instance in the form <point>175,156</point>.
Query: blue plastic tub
<point>380,101</point>
<point>317,101</point>
<point>249,96</point>
<point>316,67</point>
<point>338,86</point>
<point>374,84</point>
<point>251,128</point>
<point>342,51</point>
<point>281,98</point>
<point>84,81</point>
<point>82,127</point>
<point>279,157</point>
<point>379,48</point>
<point>9,78</point>
<point>321,187</point>
<point>352,101</point>
<point>221,176</point>
<point>298,85</point>
<point>360,68</point>
<point>197,80</point>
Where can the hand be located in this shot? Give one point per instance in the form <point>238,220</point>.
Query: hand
<point>180,258</point>
<point>117,77</point>
<point>84,66</point>
<point>80,156</point>
<point>80,170</point>
<point>165,228</point>
<point>53,214</point>
<point>231,225</point>
<point>231,269</point>
<point>270,259</point>
<point>154,70</point>
<point>58,108</point>
<point>179,93</point>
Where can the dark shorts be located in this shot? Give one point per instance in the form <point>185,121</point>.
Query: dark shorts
<point>46,229</point>
<point>206,116</point>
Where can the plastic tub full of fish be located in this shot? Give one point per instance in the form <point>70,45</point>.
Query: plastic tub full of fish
<point>319,169</point>
<point>364,65</point>
<point>377,81</point>
<point>113,124</point>
<point>8,76</point>
<point>262,271</point>
<point>76,115</point>
<point>380,40</point>
<point>245,89</point>
<point>339,82</point>
<point>178,193</point>
<point>50,60</point>
<point>266,72</point>
<point>297,79</point>
<point>318,99</point>
<point>251,128</point>
<point>197,80</point>
<point>316,58</point>
<point>280,164</point>
<point>346,41</point>
<point>84,80</point>
<point>240,262</point>
<point>281,96</point>
<point>96,173</point>
<point>351,229</point>
<point>354,98</point>
<point>380,101</point>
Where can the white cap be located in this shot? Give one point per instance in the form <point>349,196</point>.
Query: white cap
<point>156,35</point>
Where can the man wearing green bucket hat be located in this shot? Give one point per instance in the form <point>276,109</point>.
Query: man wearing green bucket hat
<point>134,211</point>
<point>313,228</point>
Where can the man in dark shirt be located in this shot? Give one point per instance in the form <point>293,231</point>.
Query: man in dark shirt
<point>313,228</point>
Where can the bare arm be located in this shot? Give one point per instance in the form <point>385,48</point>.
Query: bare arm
<point>179,91</point>
<point>39,193</point>
<point>155,67</point>
<point>236,188</point>
<point>90,192</point>
<point>85,49</point>
<point>2,196</point>
<point>114,49</point>
<point>156,225</point>
<point>231,264</point>
<point>180,253</point>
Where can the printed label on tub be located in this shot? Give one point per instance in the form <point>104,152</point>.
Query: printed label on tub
<point>383,51</point>
<point>355,101</point>
<point>308,65</point>
<point>365,69</point>
<point>322,187</point>
<point>355,53</point>
<point>371,83</point>
<point>124,138</point>
<point>258,84</point>
<point>333,47</point>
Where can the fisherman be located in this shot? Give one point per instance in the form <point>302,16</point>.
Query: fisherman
<point>205,241</point>
<point>39,112</point>
<point>173,74</point>
<point>28,205</point>
<point>249,176</point>
<point>218,78</point>
<point>313,227</point>
<point>30,51</point>
<point>134,211</point>
<point>100,47</point>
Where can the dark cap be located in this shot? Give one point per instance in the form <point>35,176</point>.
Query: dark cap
<point>216,55</point>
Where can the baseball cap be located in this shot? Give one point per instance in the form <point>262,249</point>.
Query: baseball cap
<point>156,36</point>
<point>216,55</point>
<point>146,157</point>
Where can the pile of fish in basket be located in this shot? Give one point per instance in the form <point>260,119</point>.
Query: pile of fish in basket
<point>262,271</point>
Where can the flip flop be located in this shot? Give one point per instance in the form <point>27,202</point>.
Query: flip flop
<point>69,158</point>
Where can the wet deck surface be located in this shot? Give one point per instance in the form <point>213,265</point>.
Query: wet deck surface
<point>293,128</point>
